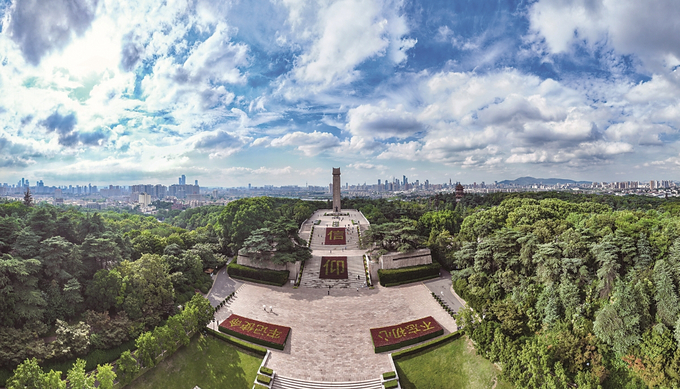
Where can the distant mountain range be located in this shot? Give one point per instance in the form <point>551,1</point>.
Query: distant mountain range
<point>524,181</point>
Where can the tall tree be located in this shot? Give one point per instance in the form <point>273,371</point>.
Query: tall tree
<point>28,199</point>
<point>644,252</point>
<point>666,296</point>
<point>127,367</point>
<point>28,375</point>
<point>105,376</point>
<point>78,378</point>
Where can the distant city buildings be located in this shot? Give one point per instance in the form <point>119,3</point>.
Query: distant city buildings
<point>182,196</point>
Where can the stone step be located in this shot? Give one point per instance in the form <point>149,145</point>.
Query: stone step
<point>355,267</point>
<point>281,382</point>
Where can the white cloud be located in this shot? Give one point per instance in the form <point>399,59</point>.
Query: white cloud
<point>344,34</point>
<point>648,30</point>
<point>366,166</point>
<point>310,144</point>
<point>382,122</point>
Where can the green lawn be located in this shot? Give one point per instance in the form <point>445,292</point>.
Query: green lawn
<point>454,365</point>
<point>210,364</point>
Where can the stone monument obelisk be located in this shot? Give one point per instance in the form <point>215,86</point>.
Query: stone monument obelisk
<point>336,190</point>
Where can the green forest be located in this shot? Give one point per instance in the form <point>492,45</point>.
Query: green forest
<point>563,290</point>
<point>77,284</point>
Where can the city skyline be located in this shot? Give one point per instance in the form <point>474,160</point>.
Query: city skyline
<point>277,93</point>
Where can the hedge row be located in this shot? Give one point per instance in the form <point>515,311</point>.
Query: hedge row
<point>369,282</point>
<point>257,350</point>
<point>444,305</point>
<point>389,375</point>
<point>264,379</point>
<point>276,346</point>
<point>392,277</point>
<point>426,346</point>
<point>266,371</point>
<point>262,276</point>
<point>391,384</point>
<point>394,346</point>
<point>299,277</point>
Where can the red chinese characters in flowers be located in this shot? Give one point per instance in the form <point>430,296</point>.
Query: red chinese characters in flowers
<point>333,268</point>
<point>405,332</point>
<point>336,236</point>
<point>250,328</point>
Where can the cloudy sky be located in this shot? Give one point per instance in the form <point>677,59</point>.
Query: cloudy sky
<point>279,91</point>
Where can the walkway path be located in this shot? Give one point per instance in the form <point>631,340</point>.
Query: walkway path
<point>222,287</point>
<point>442,287</point>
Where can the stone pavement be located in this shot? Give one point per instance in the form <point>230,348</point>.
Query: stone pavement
<point>222,287</point>
<point>330,338</point>
<point>442,287</point>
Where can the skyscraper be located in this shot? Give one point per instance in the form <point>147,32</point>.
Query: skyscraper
<point>184,180</point>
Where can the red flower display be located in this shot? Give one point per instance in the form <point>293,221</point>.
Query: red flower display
<point>336,236</point>
<point>404,334</point>
<point>334,268</point>
<point>255,331</point>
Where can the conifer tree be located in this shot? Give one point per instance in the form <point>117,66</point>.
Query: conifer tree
<point>28,199</point>
<point>665,296</point>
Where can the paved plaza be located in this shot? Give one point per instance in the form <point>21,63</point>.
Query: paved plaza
<point>330,336</point>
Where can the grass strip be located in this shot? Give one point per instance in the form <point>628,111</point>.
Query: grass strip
<point>426,346</point>
<point>257,350</point>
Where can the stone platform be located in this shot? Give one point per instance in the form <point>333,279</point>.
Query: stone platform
<point>330,338</point>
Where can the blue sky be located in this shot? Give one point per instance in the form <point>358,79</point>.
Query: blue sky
<point>278,92</point>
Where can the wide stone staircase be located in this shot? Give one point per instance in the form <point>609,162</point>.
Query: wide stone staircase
<point>319,239</point>
<point>356,278</point>
<point>281,382</point>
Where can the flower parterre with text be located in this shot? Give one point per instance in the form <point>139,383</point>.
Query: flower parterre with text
<point>255,331</point>
<point>404,334</point>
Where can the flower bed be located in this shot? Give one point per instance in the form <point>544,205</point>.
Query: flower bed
<point>336,236</point>
<point>405,334</point>
<point>334,268</point>
<point>266,334</point>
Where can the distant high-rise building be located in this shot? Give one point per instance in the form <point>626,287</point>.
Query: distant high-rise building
<point>184,180</point>
<point>378,181</point>
<point>196,182</point>
<point>249,187</point>
<point>144,199</point>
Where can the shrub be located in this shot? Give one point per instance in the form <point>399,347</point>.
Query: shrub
<point>262,276</point>
<point>392,277</point>
<point>257,350</point>
<point>389,375</point>
<point>266,371</point>
<point>264,379</point>
<point>391,384</point>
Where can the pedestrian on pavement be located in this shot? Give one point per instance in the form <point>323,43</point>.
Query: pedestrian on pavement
<point>271,309</point>
<point>264,307</point>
